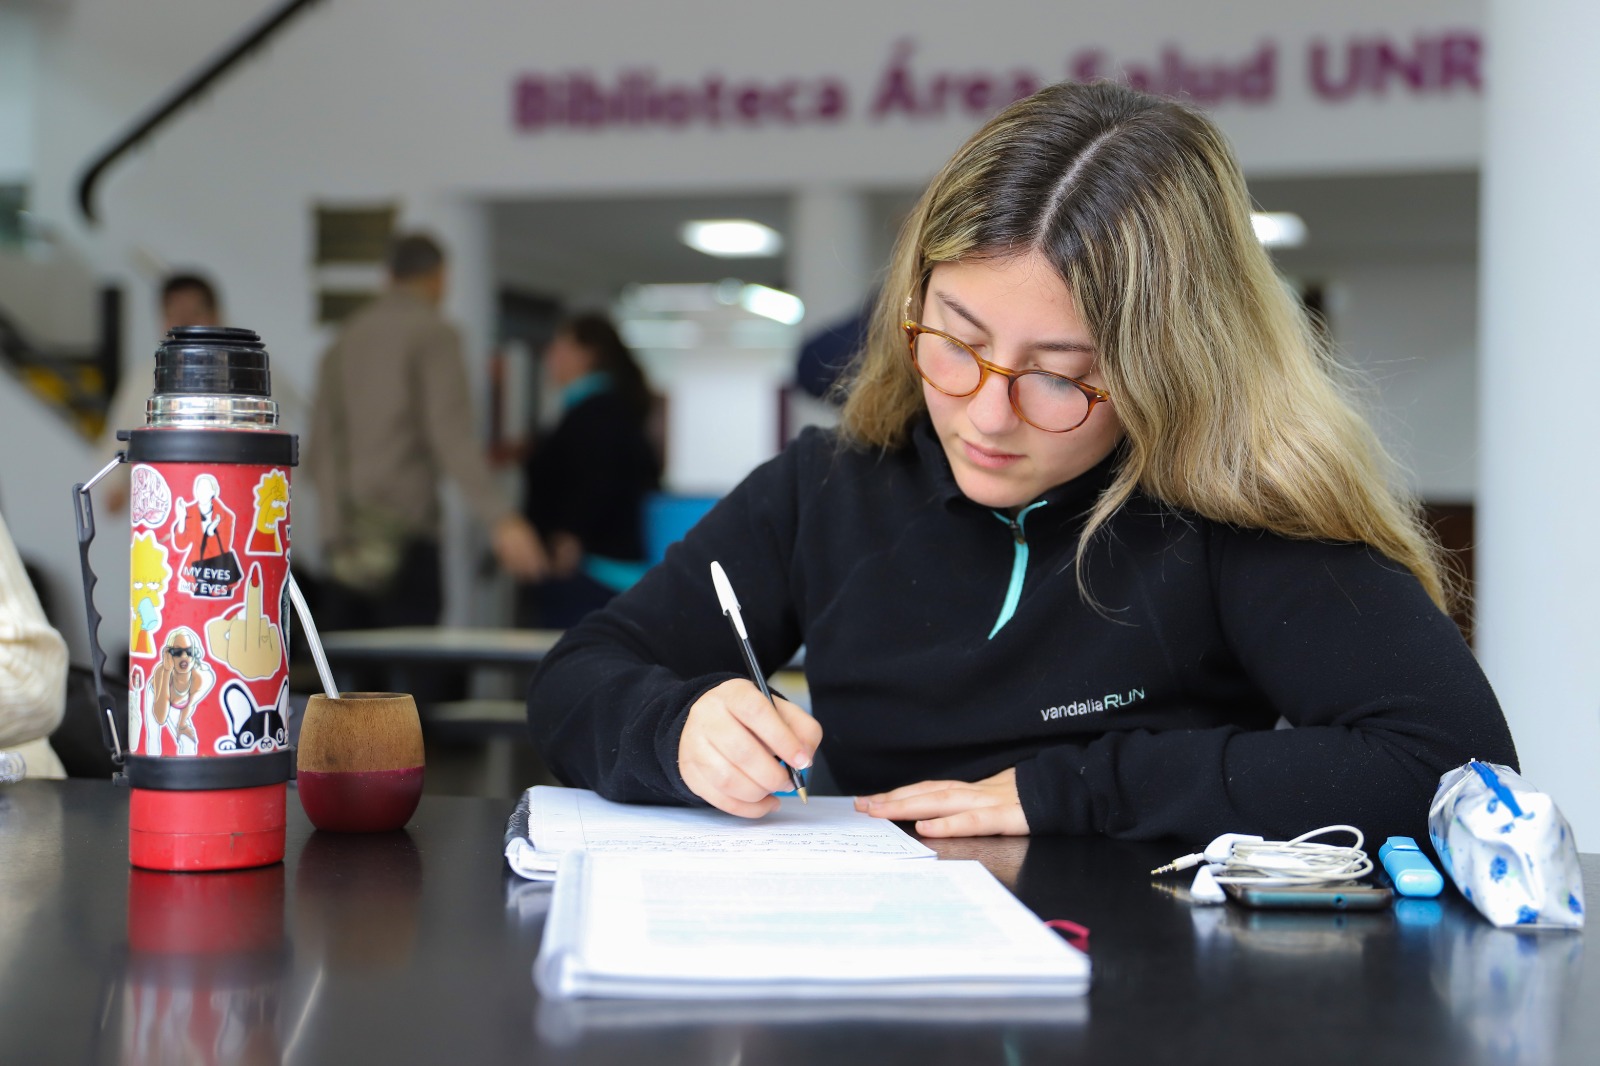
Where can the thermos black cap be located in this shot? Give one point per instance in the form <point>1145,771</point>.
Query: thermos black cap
<point>213,361</point>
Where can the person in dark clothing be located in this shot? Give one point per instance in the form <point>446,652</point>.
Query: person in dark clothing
<point>826,354</point>
<point>584,484</point>
<point>1099,547</point>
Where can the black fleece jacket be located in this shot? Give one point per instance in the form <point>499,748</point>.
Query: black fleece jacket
<point>1153,716</point>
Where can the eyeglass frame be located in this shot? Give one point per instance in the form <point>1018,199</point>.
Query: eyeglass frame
<point>914,329</point>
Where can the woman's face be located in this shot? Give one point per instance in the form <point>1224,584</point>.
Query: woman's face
<point>1018,314</point>
<point>180,653</point>
<point>565,360</point>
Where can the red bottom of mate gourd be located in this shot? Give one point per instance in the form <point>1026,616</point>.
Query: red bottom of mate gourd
<point>360,801</point>
<point>210,829</point>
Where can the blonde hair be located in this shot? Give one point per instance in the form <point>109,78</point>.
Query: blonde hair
<point>1233,406</point>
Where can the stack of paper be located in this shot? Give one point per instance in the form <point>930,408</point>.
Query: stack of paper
<point>552,822</point>
<point>691,927</point>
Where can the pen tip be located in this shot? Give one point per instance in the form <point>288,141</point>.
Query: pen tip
<point>804,798</point>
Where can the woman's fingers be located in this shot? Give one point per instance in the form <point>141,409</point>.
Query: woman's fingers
<point>948,797</point>
<point>918,789</point>
<point>954,808</point>
<point>1004,819</point>
<point>752,770</point>
<point>731,743</point>
<point>780,732</point>
<point>719,781</point>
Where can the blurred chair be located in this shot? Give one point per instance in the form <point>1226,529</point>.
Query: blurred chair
<point>480,746</point>
<point>667,517</point>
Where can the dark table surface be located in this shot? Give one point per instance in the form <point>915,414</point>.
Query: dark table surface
<point>417,946</point>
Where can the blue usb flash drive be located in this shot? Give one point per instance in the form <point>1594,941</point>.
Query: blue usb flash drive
<point>1409,868</point>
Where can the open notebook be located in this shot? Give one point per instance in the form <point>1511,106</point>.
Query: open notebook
<point>691,927</point>
<point>552,822</point>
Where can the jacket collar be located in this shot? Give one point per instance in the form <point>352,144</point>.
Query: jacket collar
<point>1067,500</point>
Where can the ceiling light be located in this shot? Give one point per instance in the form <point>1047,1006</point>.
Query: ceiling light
<point>775,304</point>
<point>672,297</point>
<point>731,238</point>
<point>654,333</point>
<point>1278,229</point>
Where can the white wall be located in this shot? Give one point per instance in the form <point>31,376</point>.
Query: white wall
<point>17,105</point>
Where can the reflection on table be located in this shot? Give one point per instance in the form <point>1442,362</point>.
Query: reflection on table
<point>417,946</point>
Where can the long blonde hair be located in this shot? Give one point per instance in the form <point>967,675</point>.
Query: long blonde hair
<point>1233,406</point>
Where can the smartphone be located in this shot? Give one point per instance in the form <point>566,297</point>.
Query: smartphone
<point>1351,896</point>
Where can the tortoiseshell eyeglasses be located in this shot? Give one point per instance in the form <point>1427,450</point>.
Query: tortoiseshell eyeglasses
<point>1054,403</point>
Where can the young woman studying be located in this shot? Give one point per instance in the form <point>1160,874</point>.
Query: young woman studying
<point>1098,518</point>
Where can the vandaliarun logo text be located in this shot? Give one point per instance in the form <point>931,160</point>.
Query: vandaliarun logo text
<point>1092,705</point>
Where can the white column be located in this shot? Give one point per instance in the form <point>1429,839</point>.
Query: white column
<point>831,269</point>
<point>829,250</point>
<point>1538,630</point>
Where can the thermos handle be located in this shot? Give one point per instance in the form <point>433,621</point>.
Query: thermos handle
<point>83,509</point>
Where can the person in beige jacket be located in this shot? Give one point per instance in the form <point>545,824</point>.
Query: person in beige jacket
<point>392,419</point>
<point>33,668</point>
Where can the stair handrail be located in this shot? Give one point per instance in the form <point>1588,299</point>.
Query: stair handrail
<point>184,94</point>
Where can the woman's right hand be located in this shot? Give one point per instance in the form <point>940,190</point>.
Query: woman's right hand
<point>728,754</point>
<point>517,548</point>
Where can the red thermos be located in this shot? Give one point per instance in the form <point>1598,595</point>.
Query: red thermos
<point>207,750</point>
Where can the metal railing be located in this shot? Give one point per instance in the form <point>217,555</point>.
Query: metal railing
<point>184,94</point>
<point>76,383</point>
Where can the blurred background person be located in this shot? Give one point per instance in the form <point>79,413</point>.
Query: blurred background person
<point>826,353</point>
<point>585,482</point>
<point>391,417</point>
<point>187,299</point>
<point>33,668</point>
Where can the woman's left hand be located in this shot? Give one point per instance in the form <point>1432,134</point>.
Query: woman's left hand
<point>954,808</point>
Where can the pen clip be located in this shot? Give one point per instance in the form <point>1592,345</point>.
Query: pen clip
<point>726,598</point>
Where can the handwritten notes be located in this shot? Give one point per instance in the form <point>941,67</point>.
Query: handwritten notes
<point>562,820</point>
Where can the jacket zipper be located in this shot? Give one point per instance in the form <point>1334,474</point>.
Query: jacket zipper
<point>1019,564</point>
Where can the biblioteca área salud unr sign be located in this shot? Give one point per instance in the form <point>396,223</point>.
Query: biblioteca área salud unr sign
<point>1371,66</point>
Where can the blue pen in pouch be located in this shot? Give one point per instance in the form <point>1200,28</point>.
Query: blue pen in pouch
<point>1409,868</point>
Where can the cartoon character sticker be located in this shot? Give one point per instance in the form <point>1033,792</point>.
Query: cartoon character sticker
<point>203,531</point>
<point>272,510</point>
<point>148,574</point>
<point>149,498</point>
<point>244,636</point>
<point>177,685</point>
<point>253,728</point>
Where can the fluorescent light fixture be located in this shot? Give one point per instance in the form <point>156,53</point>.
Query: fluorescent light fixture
<point>656,333</point>
<point>672,298</point>
<point>731,238</point>
<point>1278,229</point>
<point>775,304</point>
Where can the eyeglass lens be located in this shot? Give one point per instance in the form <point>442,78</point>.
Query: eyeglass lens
<point>1047,401</point>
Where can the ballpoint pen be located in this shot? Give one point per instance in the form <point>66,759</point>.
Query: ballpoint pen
<point>730,607</point>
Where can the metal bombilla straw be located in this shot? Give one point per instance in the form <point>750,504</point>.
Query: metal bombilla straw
<point>310,626</point>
